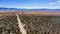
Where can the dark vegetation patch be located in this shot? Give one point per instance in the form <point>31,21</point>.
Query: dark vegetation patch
<point>9,25</point>
<point>41,24</point>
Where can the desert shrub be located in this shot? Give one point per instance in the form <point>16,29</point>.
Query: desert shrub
<point>37,24</point>
<point>9,23</point>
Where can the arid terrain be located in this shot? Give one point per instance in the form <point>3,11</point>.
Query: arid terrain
<point>29,22</point>
<point>31,12</point>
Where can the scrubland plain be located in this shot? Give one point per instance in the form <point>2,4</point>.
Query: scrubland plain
<point>37,22</point>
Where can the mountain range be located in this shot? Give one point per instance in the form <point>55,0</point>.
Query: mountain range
<point>4,8</point>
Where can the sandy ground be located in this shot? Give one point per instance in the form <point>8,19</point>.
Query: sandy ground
<point>31,12</point>
<point>21,26</point>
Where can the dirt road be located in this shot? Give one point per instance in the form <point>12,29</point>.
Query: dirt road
<point>21,25</point>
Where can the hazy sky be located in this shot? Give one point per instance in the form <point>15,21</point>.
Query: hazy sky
<point>29,4</point>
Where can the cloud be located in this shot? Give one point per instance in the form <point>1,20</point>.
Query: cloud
<point>52,3</point>
<point>58,1</point>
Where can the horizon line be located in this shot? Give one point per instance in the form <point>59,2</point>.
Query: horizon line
<point>29,8</point>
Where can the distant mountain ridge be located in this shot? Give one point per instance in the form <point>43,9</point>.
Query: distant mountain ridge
<point>4,8</point>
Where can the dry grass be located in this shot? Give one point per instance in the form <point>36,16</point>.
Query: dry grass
<point>37,13</point>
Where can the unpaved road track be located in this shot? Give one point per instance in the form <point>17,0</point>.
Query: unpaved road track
<point>21,25</point>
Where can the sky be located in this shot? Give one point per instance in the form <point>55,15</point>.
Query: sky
<point>31,4</point>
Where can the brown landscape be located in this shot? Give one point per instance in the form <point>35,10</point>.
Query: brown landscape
<point>29,22</point>
<point>30,12</point>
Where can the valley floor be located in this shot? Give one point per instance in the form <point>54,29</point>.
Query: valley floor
<point>29,22</point>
